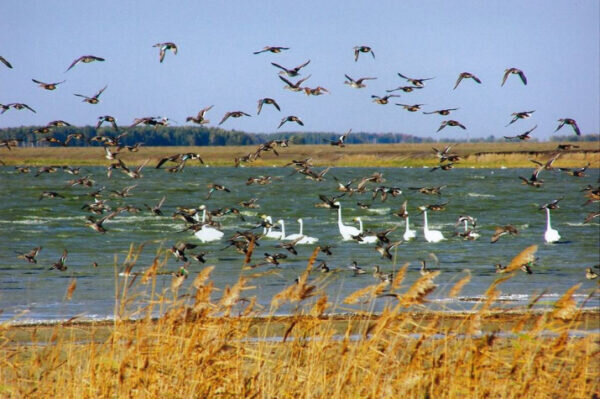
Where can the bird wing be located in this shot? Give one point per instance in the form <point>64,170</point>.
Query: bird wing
<point>279,66</point>
<point>100,92</point>
<point>506,73</point>
<point>227,115</point>
<point>74,63</point>
<point>523,77</point>
<point>3,60</point>
<point>460,78</point>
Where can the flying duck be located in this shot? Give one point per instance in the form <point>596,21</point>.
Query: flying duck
<point>269,101</point>
<point>514,71</point>
<point>466,75</point>
<point>414,82</point>
<point>47,86</point>
<point>524,136</point>
<point>199,119</point>
<point>383,100</point>
<point>271,49</point>
<point>451,123</point>
<point>362,49</point>
<point>443,112</point>
<point>358,83</point>
<point>164,47</point>
<point>293,72</point>
<point>86,59</point>
<point>233,114</point>
<point>570,122</point>
<point>291,118</point>
<point>94,99</point>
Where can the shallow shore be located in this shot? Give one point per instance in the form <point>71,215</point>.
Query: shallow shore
<point>483,155</point>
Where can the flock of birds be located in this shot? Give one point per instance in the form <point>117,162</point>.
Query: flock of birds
<point>203,221</point>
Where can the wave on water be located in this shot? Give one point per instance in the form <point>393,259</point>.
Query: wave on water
<point>581,224</point>
<point>477,195</point>
<point>379,211</point>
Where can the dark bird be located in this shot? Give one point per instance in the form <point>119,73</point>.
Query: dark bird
<point>358,83</point>
<point>446,166</point>
<point>503,230</point>
<point>86,59</point>
<point>429,190</point>
<point>579,172</point>
<point>520,115</point>
<point>150,121</point>
<point>46,169</point>
<point>180,158</point>
<point>31,255</point>
<point>466,75</point>
<point>199,118</point>
<point>94,99</point>
<point>9,143</point>
<point>402,213</point>
<point>514,71</point>
<point>233,114</point>
<point>58,123</point>
<point>524,136</point>
<point>291,118</point>
<point>384,251</point>
<point>156,208</point>
<point>61,264</point>
<point>290,245</point>
<point>341,141</point>
<point>551,205</point>
<point>591,216</point>
<point>50,194</point>
<point>570,122</point>
<point>178,250</point>
<point>47,86</point>
<point>18,107</point>
<point>163,47</point>
<point>108,119</point>
<point>216,187</point>
<point>406,89</point>
<point>97,225</point>
<point>356,269</point>
<point>451,123</point>
<point>3,60</point>
<point>317,91</point>
<point>268,101</point>
<point>362,49</point>
<point>125,192</point>
<point>566,147</point>
<point>383,100</point>
<point>293,72</point>
<point>199,257</point>
<point>414,82</point>
<point>133,173</point>
<point>294,86</point>
<point>411,108</point>
<point>443,112</point>
<point>271,49</point>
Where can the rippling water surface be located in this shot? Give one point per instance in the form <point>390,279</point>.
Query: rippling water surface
<point>495,197</point>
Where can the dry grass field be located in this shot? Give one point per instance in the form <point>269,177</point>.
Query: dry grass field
<point>213,344</point>
<point>380,155</point>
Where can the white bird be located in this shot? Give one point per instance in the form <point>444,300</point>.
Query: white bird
<point>303,238</point>
<point>268,233</point>
<point>551,234</point>
<point>283,236</point>
<point>346,231</point>
<point>365,239</point>
<point>430,235</point>
<point>409,234</point>
<point>207,233</point>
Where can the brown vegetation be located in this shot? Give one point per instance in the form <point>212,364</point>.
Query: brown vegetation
<point>383,155</point>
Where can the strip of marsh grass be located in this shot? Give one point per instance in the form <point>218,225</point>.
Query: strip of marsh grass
<point>364,155</point>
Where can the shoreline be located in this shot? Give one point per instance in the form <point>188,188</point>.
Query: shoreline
<point>480,155</point>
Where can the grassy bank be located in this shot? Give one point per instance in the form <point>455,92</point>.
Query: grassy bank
<point>376,155</point>
<point>211,343</point>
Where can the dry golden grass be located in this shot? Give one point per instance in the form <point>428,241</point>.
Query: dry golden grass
<point>381,155</point>
<point>205,346</point>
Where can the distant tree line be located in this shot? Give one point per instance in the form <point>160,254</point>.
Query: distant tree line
<point>213,136</point>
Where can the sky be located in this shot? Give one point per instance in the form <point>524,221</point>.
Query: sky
<point>556,44</point>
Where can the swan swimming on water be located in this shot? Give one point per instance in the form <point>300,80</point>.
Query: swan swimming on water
<point>365,239</point>
<point>303,238</point>
<point>346,231</point>
<point>551,234</point>
<point>268,233</point>
<point>409,234</point>
<point>430,235</point>
<point>207,233</point>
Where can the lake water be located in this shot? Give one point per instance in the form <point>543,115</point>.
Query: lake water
<point>32,292</point>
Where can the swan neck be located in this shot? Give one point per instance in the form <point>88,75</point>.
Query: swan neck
<point>340,216</point>
<point>426,227</point>
<point>407,221</point>
<point>548,219</point>
<point>204,215</point>
<point>301,227</point>
<point>282,230</point>
<point>360,225</point>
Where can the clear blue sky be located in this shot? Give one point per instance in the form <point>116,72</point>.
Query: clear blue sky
<point>556,44</point>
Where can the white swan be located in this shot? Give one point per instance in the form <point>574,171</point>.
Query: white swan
<point>551,234</point>
<point>409,234</point>
<point>430,235</point>
<point>268,233</point>
<point>207,233</point>
<point>365,239</point>
<point>304,239</point>
<point>346,231</point>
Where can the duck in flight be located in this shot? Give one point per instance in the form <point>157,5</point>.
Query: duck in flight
<point>86,59</point>
<point>199,118</point>
<point>451,123</point>
<point>514,71</point>
<point>383,100</point>
<point>293,72</point>
<point>520,115</point>
<point>362,49</point>
<point>570,122</point>
<point>522,137</point>
<point>31,255</point>
<point>268,101</point>
<point>358,83</point>
<point>233,114</point>
<point>411,108</point>
<point>466,75</point>
<point>290,118</point>
<point>94,99</point>
<point>61,264</point>
<point>47,86</point>
<point>163,49</point>
<point>5,62</point>
<point>413,81</point>
<point>294,86</point>
<point>271,49</point>
<point>443,112</point>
